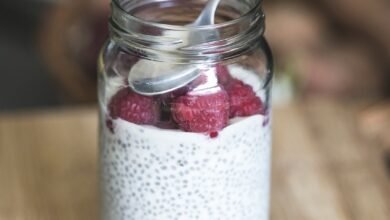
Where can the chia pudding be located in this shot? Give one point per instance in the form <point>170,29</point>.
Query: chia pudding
<point>189,154</point>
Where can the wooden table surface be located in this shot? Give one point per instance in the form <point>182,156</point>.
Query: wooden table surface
<point>322,168</point>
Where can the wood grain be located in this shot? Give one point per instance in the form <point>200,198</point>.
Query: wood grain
<point>48,166</point>
<point>322,168</point>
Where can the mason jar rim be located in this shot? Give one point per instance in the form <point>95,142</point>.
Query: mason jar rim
<point>118,6</point>
<point>184,44</point>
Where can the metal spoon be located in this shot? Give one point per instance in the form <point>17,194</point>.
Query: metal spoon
<point>172,77</point>
<point>207,15</point>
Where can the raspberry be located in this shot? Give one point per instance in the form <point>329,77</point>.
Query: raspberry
<point>243,100</point>
<point>223,75</point>
<point>201,113</point>
<point>134,108</point>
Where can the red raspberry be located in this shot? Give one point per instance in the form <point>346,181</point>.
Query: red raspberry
<point>243,100</point>
<point>134,108</point>
<point>201,113</point>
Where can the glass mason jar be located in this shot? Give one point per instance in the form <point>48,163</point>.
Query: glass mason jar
<point>199,148</point>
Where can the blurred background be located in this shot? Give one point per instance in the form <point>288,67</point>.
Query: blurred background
<point>337,50</point>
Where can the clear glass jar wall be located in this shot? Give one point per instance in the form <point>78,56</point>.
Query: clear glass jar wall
<point>199,150</point>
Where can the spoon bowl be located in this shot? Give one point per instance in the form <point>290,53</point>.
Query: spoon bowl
<point>176,76</point>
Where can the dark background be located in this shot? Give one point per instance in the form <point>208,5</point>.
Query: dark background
<point>25,82</point>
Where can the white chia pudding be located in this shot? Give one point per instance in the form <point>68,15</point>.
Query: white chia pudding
<point>149,173</point>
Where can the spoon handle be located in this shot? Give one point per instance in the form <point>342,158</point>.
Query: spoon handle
<point>207,15</point>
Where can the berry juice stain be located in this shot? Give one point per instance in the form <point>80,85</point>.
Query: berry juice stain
<point>213,134</point>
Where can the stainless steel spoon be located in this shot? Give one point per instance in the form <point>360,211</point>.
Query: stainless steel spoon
<point>173,76</point>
